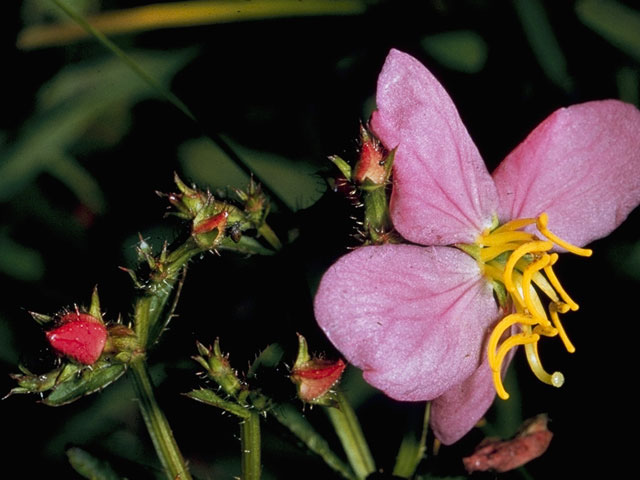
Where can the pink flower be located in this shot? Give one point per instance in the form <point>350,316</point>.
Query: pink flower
<point>421,319</point>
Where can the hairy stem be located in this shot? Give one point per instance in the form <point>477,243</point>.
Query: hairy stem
<point>250,440</point>
<point>157,424</point>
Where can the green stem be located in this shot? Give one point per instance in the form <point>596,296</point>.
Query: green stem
<point>291,418</point>
<point>412,448</point>
<point>348,429</point>
<point>157,424</point>
<point>250,440</point>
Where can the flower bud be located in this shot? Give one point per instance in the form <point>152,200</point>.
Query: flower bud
<point>371,167</point>
<point>315,376</point>
<point>79,336</point>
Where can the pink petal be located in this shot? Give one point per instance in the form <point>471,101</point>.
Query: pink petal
<point>442,191</point>
<point>456,412</point>
<point>581,165</point>
<point>413,318</point>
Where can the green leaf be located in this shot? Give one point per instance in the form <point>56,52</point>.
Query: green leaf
<point>461,50</point>
<point>88,381</point>
<point>86,188</point>
<point>89,466</point>
<point>543,42</point>
<point>296,183</point>
<point>269,358</point>
<point>617,23</point>
<point>71,102</point>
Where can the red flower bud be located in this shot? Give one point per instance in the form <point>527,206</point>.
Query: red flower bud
<point>80,336</point>
<point>371,164</point>
<point>316,377</point>
<point>218,221</point>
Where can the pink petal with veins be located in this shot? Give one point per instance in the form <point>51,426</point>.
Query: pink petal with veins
<point>412,318</point>
<point>442,192</point>
<point>581,165</point>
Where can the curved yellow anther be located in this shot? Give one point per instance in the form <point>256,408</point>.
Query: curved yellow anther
<point>554,309</point>
<point>556,283</point>
<point>527,289</point>
<point>556,378</point>
<point>513,341</point>
<point>515,225</point>
<point>503,325</point>
<point>541,223</point>
<point>489,253</point>
<point>501,238</point>
<point>518,253</point>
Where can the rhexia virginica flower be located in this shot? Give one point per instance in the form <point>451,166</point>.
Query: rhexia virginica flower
<point>438,319</point>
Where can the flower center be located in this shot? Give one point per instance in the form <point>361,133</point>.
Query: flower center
<point>520,268</point>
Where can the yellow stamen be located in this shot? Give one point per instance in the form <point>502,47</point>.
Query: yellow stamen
<point>508,344</point>
<point>556,379</point>
<point>503,325</point>
<point>554,308</point>
<point>542,227</point>
<point>489,253</point>
<point>522,262</point>
<point>515,225</point>
<point>556,283</point>
<point>527,289</point>
<point>517,254</point>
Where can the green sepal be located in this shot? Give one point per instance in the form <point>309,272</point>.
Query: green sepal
<point>210,398</point>
<point>85,382</point>
<point>41,318</point>
<point>342,165</point>
<point>245,245</point>
<point>94,309</point>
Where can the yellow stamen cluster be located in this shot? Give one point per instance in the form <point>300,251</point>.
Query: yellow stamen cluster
<point>518,262</point>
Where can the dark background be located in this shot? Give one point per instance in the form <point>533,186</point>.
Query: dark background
<point>290,91</point>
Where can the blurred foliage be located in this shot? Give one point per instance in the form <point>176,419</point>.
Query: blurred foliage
<point>276,87</point>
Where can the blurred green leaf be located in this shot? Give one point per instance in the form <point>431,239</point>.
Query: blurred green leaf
<point>628,80</point>
<point>66,169</point>
<point>617,23</point>
<point>296,183</point>
<point>537,28</point>
<point>89,466</point>
<point>71,103</point>
<point>461,50</point>
<point>19,261</point>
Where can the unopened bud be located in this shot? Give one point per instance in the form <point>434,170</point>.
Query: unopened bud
<point>371,166</point>
<point>79,336</point>
<point>315,376</point>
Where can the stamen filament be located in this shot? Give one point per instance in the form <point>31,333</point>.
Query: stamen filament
<point>556,284</point>
<point>513,341</point>
<point>501,238</point>
<point>504,324</point>
<point>490,253</point>
<point>527,288</point>
<point>553,312</point>
<point>518,253</point>
<point>556,379</point>
<point>515,225</point>
<point>542,227</point>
